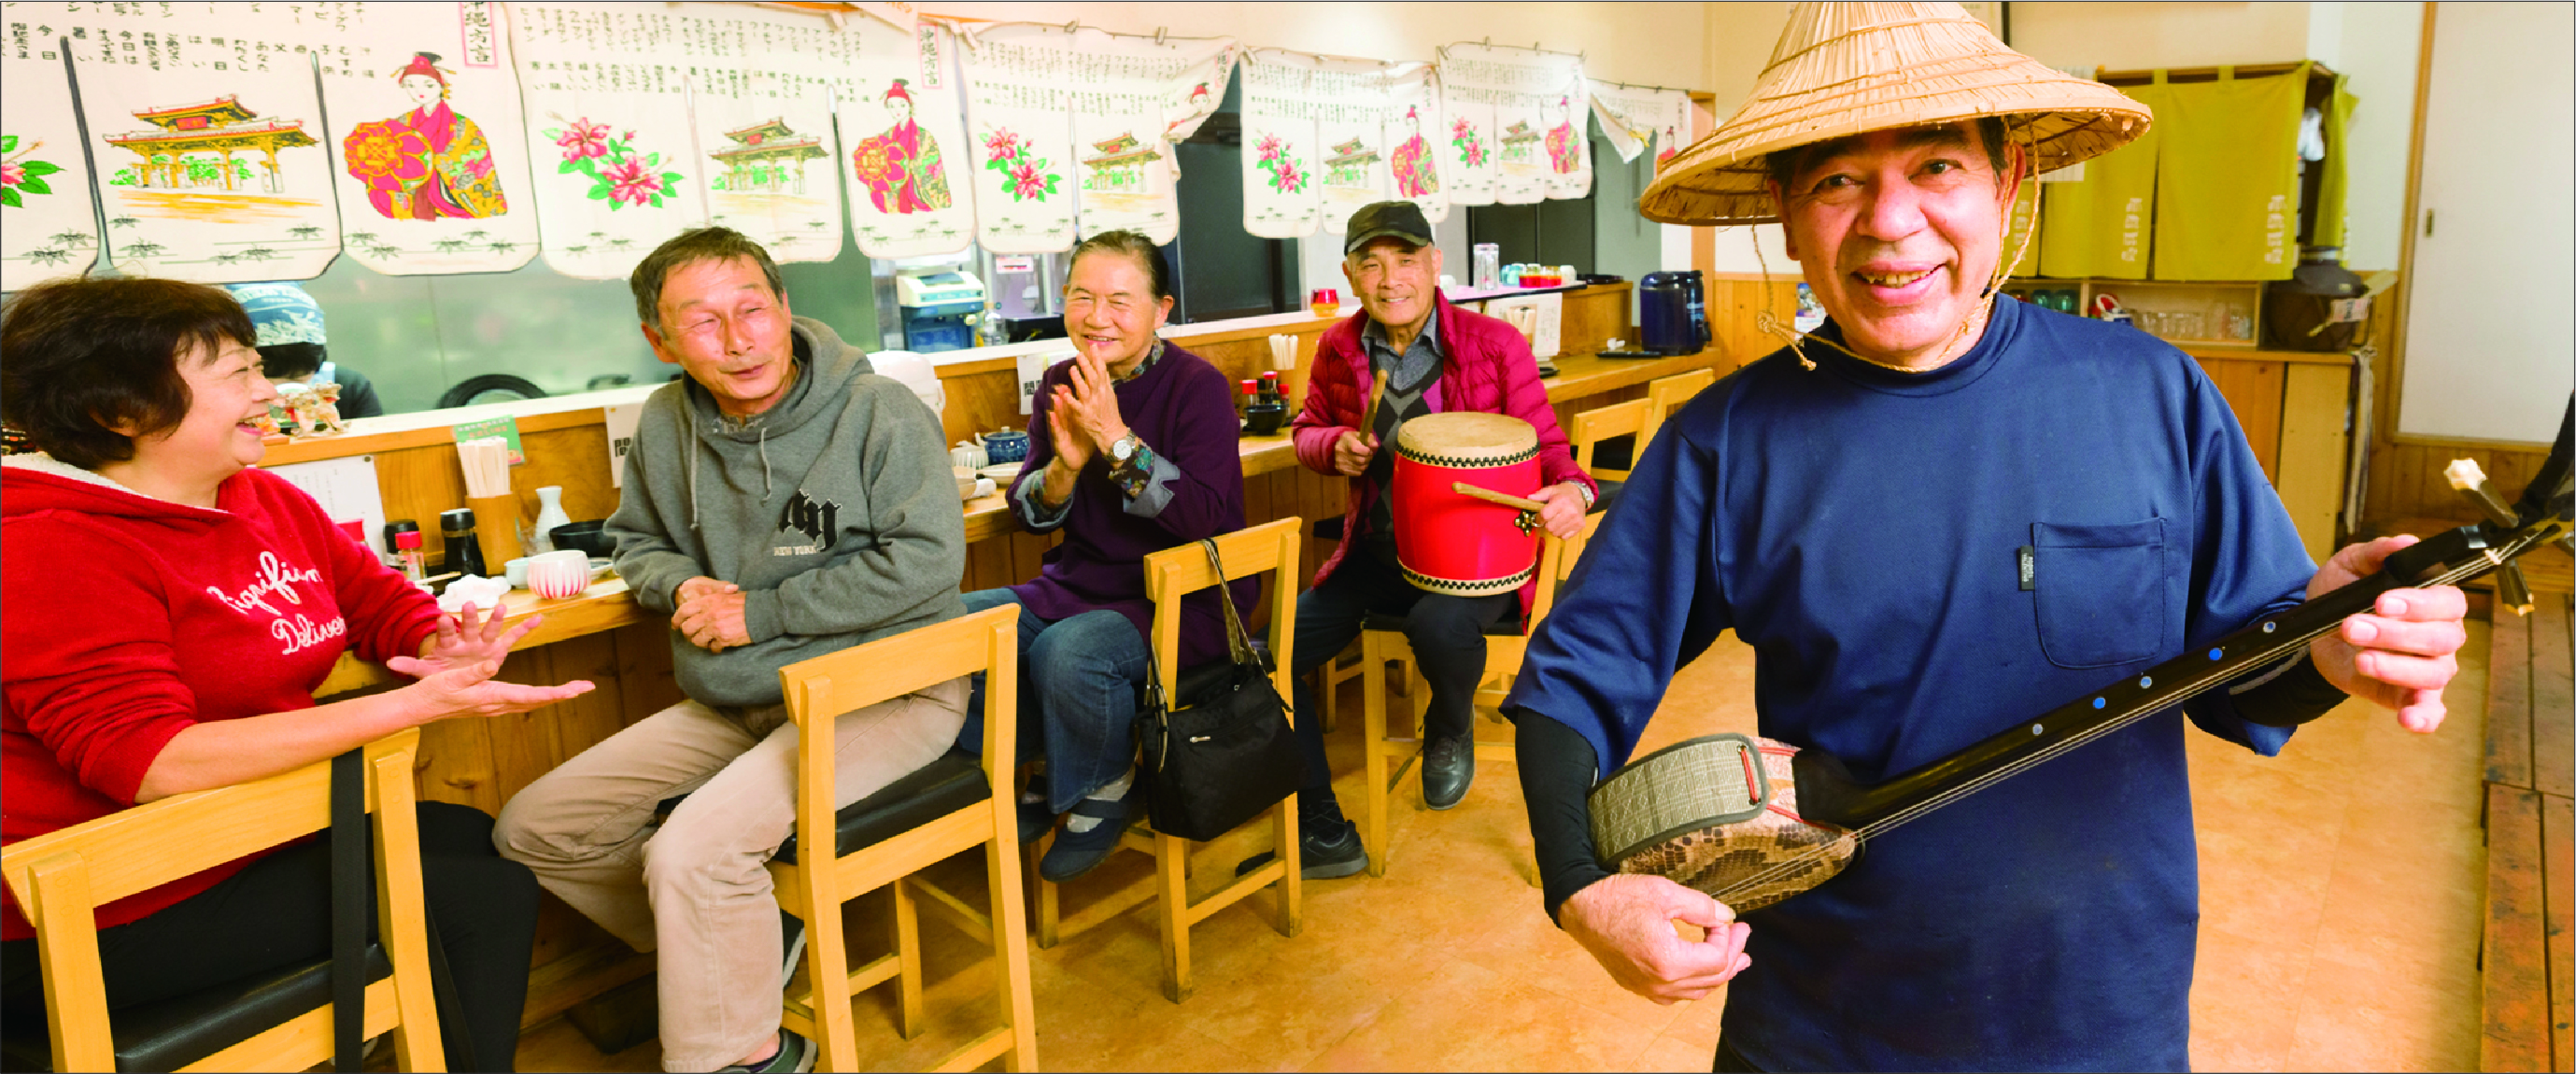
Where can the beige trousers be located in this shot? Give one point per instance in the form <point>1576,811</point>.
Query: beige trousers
<point>696,888</point>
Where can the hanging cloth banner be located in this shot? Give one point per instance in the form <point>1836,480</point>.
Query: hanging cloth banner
<point>208,134</point>
<point>1534,131</point>
<point>1351,98</point>
<point>910,165</point>
<point>2101,225</point>
<point>608,132</point>
<point>1019,118</point>
<point>46,226</point>
<point>1633,117</point>
<point>1412,137</point>
<point>760,113</point>
<point>1281,197</point>
<point>2227,177</point>
<point>1128,94</point>
<point>428,155</point>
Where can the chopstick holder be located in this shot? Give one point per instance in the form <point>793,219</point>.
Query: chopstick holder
<point>486,463</point>
<point>1292,372</point>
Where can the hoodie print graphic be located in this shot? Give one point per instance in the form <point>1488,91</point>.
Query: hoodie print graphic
<point>295,631</point>
<point>816,520</point>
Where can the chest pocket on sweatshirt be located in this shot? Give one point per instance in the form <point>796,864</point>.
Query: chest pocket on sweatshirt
<point>2100,592</point>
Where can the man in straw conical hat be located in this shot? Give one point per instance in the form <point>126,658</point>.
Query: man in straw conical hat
<point>1937,515</point>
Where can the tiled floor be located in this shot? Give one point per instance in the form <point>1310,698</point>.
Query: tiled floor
<point>2340,891</point>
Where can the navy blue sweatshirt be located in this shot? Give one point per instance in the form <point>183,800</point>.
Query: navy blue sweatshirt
<point>1861,529</point>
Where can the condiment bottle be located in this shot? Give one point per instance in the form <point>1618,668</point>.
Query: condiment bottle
<point>456,531</point>
<point>1270,387</point>
<point>407,548</point>
<point>1251,395</point>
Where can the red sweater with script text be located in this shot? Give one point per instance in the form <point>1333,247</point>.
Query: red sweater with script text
<point>131,618</point>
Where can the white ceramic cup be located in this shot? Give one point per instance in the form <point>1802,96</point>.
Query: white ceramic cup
<point>517,572</point>
<point>556,575</point>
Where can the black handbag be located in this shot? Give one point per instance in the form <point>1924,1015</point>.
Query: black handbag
<point>1223,753</point>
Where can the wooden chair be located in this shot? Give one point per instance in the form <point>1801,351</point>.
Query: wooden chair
<point>954,804</point>
<point>1170,575</point>
<point>275,1021</point>
<point>1665,393</point>
<point>1382,640</point>
<point>1587,431</point>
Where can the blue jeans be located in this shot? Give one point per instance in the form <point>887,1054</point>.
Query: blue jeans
<point>1079,677</point>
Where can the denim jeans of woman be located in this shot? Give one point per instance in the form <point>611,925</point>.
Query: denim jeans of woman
<point>1079,678</point>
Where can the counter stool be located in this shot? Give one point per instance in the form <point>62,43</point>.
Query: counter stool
<point>1382,640</point>
<point>954,804</point>
<point>1170,575</point>
<point>279,1020</point>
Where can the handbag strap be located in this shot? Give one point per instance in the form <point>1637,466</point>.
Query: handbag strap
<point>1238,637</point>
<point>350,909</point>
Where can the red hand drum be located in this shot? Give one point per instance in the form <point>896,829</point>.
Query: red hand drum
<point>1449,542</point>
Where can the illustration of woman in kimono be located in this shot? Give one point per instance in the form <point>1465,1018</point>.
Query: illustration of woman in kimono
<point>430,162</point>
<point>901,167</point>
<point>1564,153</point>
<point>1416,173</point>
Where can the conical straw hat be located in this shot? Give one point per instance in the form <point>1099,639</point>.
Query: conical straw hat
<point>1842,69</point>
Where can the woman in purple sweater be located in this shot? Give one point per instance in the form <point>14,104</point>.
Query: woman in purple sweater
<point>1131,451</point>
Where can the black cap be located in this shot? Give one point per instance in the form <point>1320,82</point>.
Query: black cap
<point>1397,219</point>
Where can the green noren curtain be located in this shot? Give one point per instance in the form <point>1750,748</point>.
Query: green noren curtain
<point>2099,225</point>
<point>2331,185</point>
<point>2227,177</point>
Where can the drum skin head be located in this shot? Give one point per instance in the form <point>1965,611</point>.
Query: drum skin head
<point>1697,802</point>
<point>1467,438</point>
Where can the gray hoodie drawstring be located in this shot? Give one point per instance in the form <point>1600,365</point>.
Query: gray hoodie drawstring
<point>689,434</point>
<point>764,460</point>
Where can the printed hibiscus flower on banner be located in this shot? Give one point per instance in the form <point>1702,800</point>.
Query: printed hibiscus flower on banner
<point>618,174</point>
<point>583,139</point>
<point>1024,174</point>
<point>1471,146</point>
<point>1286,177</point>
<point>386,157</point>
<point>20,176</point>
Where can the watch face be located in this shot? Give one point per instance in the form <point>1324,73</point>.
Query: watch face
<point>1125,447</point>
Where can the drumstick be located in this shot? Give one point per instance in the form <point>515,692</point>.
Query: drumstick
<point>1368,418</point>
<point>1490,496</point>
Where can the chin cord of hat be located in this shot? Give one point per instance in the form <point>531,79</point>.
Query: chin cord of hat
<point>1768,321</point>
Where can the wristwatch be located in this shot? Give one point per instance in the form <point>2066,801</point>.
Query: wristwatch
<point>1124,449</point>
<point>1588,497</point>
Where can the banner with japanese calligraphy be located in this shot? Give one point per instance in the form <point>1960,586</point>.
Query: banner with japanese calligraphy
<point>1020,120</point>
<point>1128,95</point>
<point>1281,198</point>
<point>1350,99</point>
<point>1634,117</point>
<point>909,163</point>
<point>760,106</point>
<point>1530,107</point>
<point>617,167</point>
<point>207,134</point>
<point>46,226</point>
<point>428,155</point>
<point>1413,139</point>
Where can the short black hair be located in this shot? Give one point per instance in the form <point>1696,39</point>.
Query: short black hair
<point>292,361</point>
<point>688,248</point>
<point>1784,165</point>
<point>79,355</point>
<point>1158,271</point>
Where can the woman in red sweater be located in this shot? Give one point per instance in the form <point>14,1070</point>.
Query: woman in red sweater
<point>170,611</point>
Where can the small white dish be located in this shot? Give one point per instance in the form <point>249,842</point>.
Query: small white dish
<point>1001,472</point>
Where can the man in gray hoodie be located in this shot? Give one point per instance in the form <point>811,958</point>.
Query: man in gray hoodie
<point>782,502</point>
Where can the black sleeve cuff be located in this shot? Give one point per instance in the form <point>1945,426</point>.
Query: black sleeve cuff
<point>1557,766</point>
<point>2287,697</point>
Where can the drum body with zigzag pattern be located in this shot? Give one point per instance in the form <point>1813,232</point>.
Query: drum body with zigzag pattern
<point>1448,542</point>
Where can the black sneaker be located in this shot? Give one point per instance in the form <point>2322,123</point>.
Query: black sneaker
<point>1448,769</point>
<point>1320,857</point>
<point>795,1056</point>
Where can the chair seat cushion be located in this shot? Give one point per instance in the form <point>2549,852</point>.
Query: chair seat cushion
<point>944,786</point>
<point>173,1033</point>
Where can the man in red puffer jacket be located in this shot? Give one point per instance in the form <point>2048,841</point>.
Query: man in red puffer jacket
<point>1435,358</point>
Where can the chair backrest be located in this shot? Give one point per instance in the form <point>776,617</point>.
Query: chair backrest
<point>60,878</point>
<point>1665,393</point>
<point>1588,429</point>
<point>819,690</point>
<point>1555,561</point>
<point>1174,573</point>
